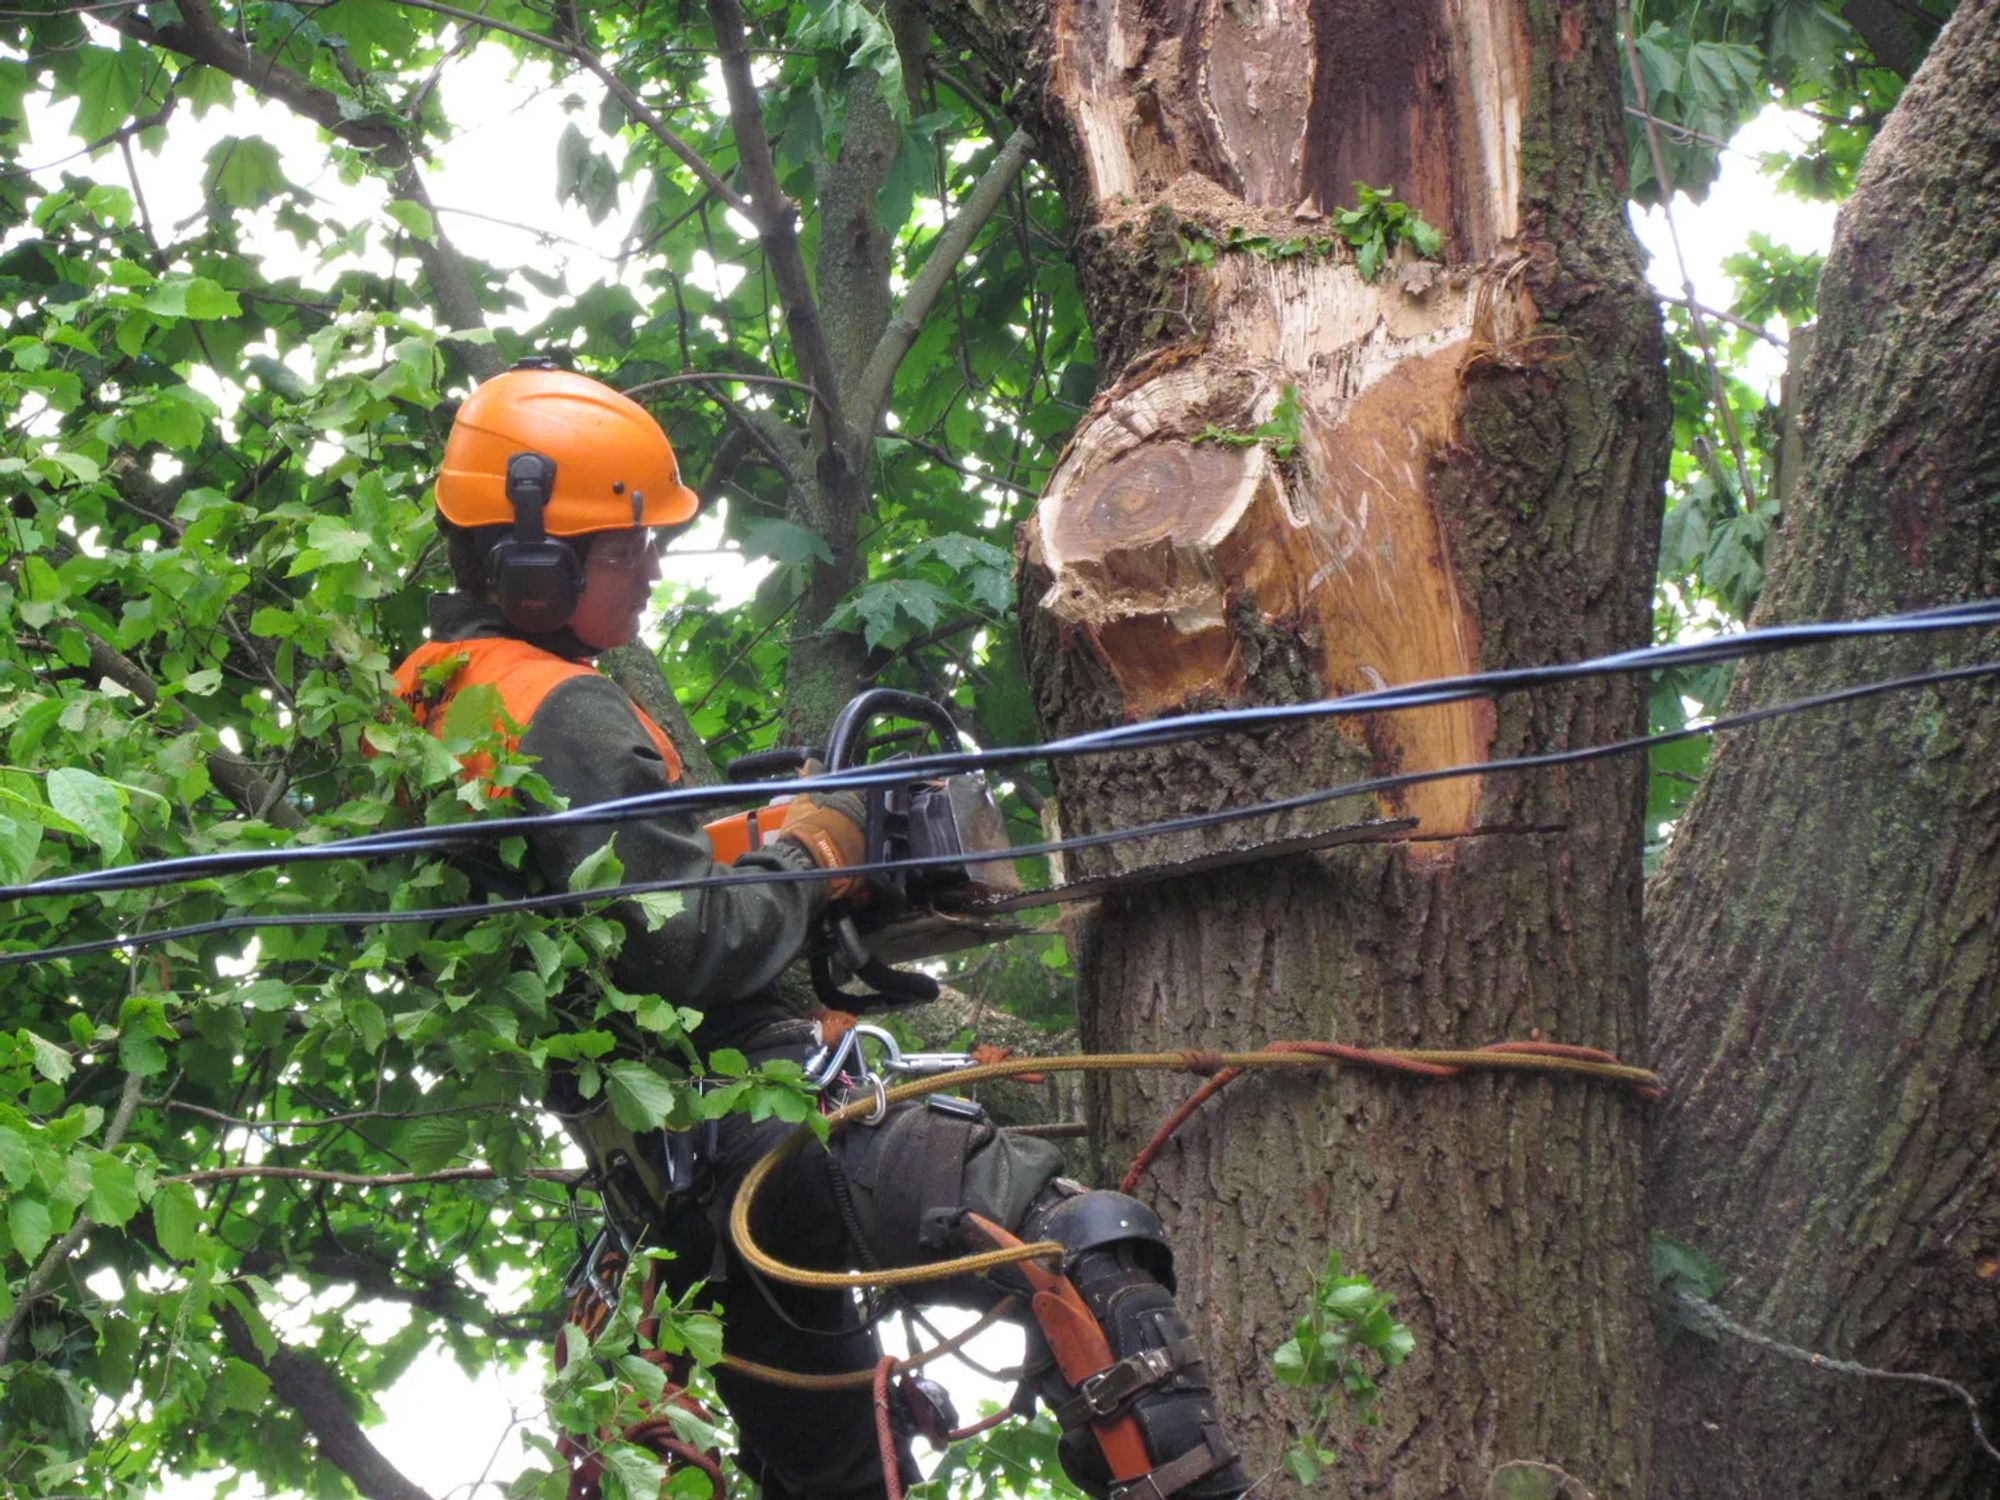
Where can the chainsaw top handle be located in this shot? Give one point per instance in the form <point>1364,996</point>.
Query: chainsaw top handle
<point>845,741</point>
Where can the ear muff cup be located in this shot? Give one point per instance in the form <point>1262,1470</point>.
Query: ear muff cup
<point>537,583</point>
<point>538,578</point>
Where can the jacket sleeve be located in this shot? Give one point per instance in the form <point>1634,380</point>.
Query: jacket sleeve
<point>726,942</point>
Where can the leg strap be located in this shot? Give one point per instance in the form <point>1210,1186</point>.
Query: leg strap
<point>1107,1392</point>
<point>1173,1477</point>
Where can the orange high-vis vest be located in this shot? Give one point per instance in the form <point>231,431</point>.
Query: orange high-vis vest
<point>525,675</point>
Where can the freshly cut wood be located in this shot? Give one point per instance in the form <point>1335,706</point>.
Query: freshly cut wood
<point>1168,518</point>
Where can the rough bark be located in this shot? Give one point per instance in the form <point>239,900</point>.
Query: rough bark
<point>1823,932</point>
<point>1475,484</point>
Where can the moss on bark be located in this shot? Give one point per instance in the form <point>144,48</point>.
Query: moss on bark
<point>1824,929</point>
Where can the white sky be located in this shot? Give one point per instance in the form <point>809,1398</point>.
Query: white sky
<point>444,1427</point>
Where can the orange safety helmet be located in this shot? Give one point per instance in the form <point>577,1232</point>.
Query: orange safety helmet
<point>614,467</point>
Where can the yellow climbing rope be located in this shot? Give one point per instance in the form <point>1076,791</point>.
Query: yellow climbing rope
<point>1429,1062</point>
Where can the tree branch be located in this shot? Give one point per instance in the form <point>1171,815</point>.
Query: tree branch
<point>871,391</point>
<point>326,1121</point>
<point>775,216</point>
<point>58,1254</point>
<point>326,1406</point>
<point>638,671</point>
<point>238,780</point>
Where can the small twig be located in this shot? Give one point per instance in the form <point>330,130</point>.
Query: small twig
<point>546,236</point>
<point>938,455</point>
<point>928,638</point>
<point>1730,318</point>
<point>776,620</point>
<point>1679,131</point>
<point>58,1254</point>
<point>117,137</point>
<point>383,1179</point>
<point>1706,1312</point>
<point>329,1120</point>
<point>713,377</point>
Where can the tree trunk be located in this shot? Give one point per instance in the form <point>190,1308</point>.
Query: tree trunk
<point>1472,480</point>
<point>1823,932</point>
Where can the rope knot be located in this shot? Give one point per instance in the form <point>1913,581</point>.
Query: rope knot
<point>1202,1064</point>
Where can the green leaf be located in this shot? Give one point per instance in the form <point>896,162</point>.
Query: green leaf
<point>51,1061</point>
<point>242,172</point>
<point>1300,1464</point>
<point>631,1473</point>
<point>641,1098</point>
<point>28,1225</point>
<point>659,907</point>
<point>472,715</point>
<point>433,1143</point>
<point>19,839</point>
<point>415,218</point>
<point>785,542</point>
<point>93,804</point>
<point>648,1380</point>
<point>17,1163</point>
<point>599,868</point>
<point>239,1386</point>
<point>175,1216</point>
<point>107,85</point>
<point>114,1191</point>
<point>1679,1266</point>
<point>583,176</point>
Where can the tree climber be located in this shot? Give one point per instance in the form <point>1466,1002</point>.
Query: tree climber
<point>551,496</point>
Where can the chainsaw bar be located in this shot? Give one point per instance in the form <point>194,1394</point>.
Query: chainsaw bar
<point>927,933</point>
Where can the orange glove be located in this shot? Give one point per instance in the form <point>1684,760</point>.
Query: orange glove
<point>829,827</point>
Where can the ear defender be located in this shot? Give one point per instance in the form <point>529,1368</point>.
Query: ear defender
<point>538,578</point>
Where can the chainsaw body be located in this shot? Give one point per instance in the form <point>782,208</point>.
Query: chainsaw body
<point>933,822</point>
<point>941,899</point>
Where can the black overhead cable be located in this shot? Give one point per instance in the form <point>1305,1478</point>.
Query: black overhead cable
<point>1190,822</point>
<point>1148,734</point>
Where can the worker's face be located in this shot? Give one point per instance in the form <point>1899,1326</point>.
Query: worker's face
<point>618,577</point>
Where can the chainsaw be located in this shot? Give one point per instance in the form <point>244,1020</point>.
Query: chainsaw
<point>947,899</point>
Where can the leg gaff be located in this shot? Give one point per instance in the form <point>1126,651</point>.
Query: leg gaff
<point>1128,1387</point>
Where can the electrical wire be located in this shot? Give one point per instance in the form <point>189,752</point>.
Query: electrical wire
<point>1187,823</point>
<point>1150,734</point>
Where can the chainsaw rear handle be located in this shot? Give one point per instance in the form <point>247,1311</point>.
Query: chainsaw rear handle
<point>767,765</point>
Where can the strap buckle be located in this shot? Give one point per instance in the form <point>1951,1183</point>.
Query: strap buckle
<point>1103,1394</point>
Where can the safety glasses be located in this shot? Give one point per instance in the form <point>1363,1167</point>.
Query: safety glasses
<point>628,550</point>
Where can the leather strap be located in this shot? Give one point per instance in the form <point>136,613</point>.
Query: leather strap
<point>1171,1477</point>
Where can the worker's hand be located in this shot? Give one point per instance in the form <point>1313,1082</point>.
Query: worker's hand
<point>829,825</point>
